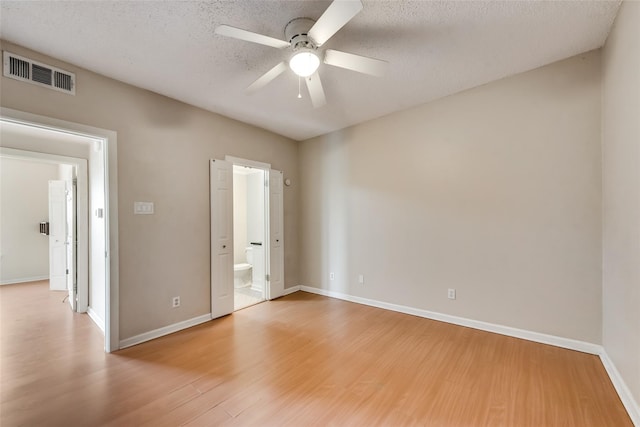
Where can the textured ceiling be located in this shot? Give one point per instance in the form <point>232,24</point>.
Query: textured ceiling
<point>435,48</point>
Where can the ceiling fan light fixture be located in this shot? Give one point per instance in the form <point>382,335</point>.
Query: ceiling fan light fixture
<point>304,63</point>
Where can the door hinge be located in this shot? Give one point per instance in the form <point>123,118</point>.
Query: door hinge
<point>75,181</point>
<point>67,271</point>
<point>266,277</point>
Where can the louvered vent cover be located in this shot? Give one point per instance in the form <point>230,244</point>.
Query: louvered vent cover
<point>27,70</point>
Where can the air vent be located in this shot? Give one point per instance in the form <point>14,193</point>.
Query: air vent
<point>19,68</point>
<point>27,70</point>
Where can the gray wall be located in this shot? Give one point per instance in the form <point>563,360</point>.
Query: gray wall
<point>621,199</point>
<point>495,192</point>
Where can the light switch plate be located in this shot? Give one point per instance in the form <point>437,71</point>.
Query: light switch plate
<point>143,208</point>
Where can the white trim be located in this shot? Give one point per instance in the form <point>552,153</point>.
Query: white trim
<point>290,290</point>
<point>569,343</point>
<point>247,162</point>
<point>632,407</point>
<point>165,330</point>
<point>23,280</point>
<point>96,319</point>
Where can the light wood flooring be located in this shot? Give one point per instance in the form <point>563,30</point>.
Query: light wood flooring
<point>302,360</point>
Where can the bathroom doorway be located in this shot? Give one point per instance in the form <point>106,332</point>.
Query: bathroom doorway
<point>267,258</point>
<point>249,236</point>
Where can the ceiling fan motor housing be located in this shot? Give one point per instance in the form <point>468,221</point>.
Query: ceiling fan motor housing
<point>296,31</point>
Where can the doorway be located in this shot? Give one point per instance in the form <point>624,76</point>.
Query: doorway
<point>44,222</point>
<point>249,236</point>
<point>247,242</point>
<point>43,136</point>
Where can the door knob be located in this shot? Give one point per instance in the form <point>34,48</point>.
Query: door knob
<point>224,246</point>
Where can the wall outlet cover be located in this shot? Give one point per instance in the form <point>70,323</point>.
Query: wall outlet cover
<point>143,208</point>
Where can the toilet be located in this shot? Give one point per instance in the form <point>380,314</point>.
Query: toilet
<point>242,273</point>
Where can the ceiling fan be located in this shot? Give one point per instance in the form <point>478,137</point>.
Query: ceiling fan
<point>305,37</point>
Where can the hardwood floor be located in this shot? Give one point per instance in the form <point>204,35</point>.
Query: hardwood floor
<point>302,360</point>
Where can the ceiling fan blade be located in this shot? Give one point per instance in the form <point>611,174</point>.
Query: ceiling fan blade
<point>335,17</point>
<point>264,79</point>
<point>237,33</point>
<point>361,64</point>
<point>314,85</point>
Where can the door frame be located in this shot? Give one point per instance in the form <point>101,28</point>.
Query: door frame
<point>109,160</point>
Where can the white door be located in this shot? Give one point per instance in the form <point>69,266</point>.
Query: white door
<point>221,174</point>
<point>71,243</point>
<point>276,235</point>
<point>57,236</point>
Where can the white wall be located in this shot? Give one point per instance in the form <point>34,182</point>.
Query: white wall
<point>495,191</point>
<point>24,195</point>
<point>621,196</point>
<point>239,218</point>
<point>248,212</point>
<point>255,207</point>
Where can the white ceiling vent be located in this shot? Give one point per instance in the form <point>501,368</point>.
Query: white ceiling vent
<point>27,70</point>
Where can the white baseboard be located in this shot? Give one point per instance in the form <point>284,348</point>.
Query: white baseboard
<point>166,330</point>
<point>569,343</point>
<point>632,407</point>
<point>23,280</point>
<point>290,290</point>
<point>96,319</point>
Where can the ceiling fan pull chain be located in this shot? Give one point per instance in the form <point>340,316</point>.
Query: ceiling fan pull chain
<point>299,94</point>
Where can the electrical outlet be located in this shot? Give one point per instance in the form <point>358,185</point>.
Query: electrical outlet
<point>451,294</point>
<point>175,302</point>
<point>361,279</point>
<point>332,276</point>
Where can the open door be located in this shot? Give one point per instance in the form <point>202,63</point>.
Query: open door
<point>221,175</point>
<point>58,238</point>
<point>276,236</point>
<point>71,243</point>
